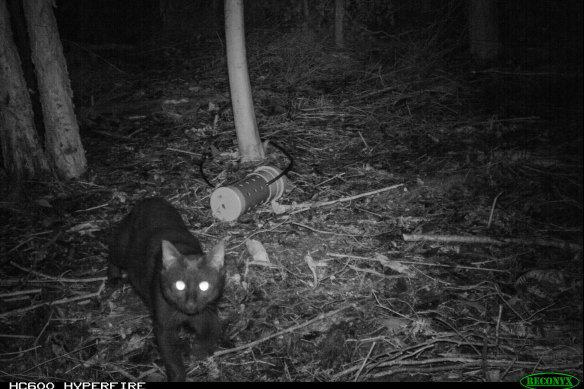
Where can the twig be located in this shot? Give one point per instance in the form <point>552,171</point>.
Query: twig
<point>44,328</point>
<point>371,94</point>
<point>388,309</point>
<point>510,306</point>
<point>363,139</point>
<point>93,208</point>
<point>453,362</point>
<point>58,357</point>
<point>364,362</point>
<point>488,240</point>
<point>58,279</point>
<point>15,337</point>
<point>322,316</point>
<point>414,263</point>
<point>495,71</point>
<point>330,179</point>
<point>184,152</point>
<point>121,371</point>
<point>52,303</point>
<point>460,335</point>
<point>262,231</point>
<point>358,269</point>
<point>147,373</point>
<point>94,54</point>
<point>493,209</point>
<point>19,352</point>
<point>18,245</point>
<point>448,368</point>
<point>31,236</point>
<point>20,292</point>
<point>110,134</point>
<point>498,327</point>
<point>306,206</point>
<point>320,231</point>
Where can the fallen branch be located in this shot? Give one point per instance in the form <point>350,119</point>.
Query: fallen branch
<point>322,316</point>
<point>20,292</point>
<point>306,206</point>
<point>358,269</point>
<point>488,240</point>
<point>335,255</point>
<point>364,362</point>
<point>20,352</point>
<point>453,362</point>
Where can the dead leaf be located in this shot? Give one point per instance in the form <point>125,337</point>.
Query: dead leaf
<point>394,265</point>
<point>257,251</point>
<point>312,266</point>
<point>44,203</point>
<point>395,325</point>
<point>279,209</point>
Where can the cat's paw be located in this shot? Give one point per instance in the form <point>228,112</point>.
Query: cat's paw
<point>202,350</point>
<point>113,272</point>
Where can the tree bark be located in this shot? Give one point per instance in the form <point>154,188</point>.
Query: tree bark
<point>62,142</point>
<point>248,137</point>
<point>22,153</point>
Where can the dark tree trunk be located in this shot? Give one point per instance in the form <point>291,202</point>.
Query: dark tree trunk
<point>22,153</point>
<point>62,141</point>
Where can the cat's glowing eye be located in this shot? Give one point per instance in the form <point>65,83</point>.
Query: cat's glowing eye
<point>204,285</point>
<point>180,285</point>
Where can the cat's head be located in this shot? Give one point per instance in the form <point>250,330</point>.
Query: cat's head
<point>192,282</point>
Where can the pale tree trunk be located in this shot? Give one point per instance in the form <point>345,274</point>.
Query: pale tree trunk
<point>62,142</point>
<point>22,153</point>
<point>483,31</point>
<point>248,137</point>
<point>339,18</point>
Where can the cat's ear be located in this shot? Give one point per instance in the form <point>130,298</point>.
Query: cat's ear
<point>216,257</point>
<point>169,254</point>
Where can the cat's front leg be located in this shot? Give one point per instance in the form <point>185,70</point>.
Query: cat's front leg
<point>208,329</point>
<point>170,351</point>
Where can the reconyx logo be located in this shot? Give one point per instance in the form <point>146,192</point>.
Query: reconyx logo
<point>549,380</point>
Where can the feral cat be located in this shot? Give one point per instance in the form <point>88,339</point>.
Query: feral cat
<point>168,269</point>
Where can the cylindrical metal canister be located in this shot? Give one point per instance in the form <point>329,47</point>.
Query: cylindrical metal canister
<point>230,202</point>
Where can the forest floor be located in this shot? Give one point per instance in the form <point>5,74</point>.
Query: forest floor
<point>450,248</point>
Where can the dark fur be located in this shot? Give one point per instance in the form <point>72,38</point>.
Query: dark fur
<point>153,268</point>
